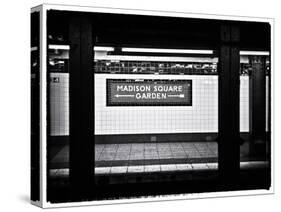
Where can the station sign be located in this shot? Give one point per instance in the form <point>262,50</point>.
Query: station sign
<point>148,92</point>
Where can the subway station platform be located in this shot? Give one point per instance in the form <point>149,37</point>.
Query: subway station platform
<point>130,158</point>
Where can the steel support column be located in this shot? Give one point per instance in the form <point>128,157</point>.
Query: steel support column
<point>228,147</point>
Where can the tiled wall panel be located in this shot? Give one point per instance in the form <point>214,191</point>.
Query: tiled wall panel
<point>202,116</point>
<point>59,104</point>
<point>244,103</point>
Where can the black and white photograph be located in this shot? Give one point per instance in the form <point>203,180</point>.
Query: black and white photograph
<point>139,105</point>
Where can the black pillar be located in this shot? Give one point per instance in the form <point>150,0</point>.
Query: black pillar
<point>228,147</point>
<point>257,107</point>
<point>81,148</point>
<point>35,108</point>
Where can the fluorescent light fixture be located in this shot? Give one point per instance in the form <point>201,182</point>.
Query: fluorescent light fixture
<point>174,51</point>
<point>154,50</point>
<point>60,47</point>
<point>104,48</point>
<point>34,48</point>
<point>157,58</point>
<point>258,53</point>
<point>96,48</point>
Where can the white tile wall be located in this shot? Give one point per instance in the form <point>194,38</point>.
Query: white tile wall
<point>202,116</point>
<point>59,104</point>
<point>244,103</point>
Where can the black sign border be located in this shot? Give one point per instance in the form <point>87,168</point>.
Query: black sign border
<point>110,104</point>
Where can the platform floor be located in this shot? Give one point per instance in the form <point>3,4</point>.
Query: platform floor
<point>148,157</point>
<point>143,153</point>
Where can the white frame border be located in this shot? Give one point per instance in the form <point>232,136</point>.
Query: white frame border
<point>43,103</point>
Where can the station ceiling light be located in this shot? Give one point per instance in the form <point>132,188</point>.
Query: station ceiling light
<point>256,53</point>
<point>173,51</point>
<point>60,47</point>
<point>104,48</point>
<point>96,48</point>
<point>34,48</point>
<point>156,50</point>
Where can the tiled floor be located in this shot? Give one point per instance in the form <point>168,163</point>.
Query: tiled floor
<point>145,154</point>
<point>146,158</point>
<point>152,151</point>
<point>143,157</point>
<point>160,168</point>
